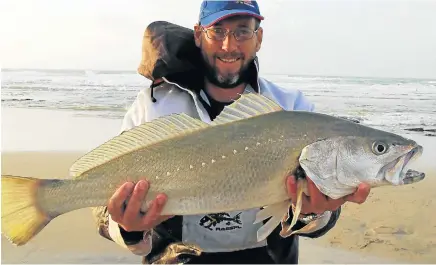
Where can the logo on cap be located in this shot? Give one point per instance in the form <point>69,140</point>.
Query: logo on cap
<point>245,2</point>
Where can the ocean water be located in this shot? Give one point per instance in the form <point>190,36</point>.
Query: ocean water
<point>387,103</point>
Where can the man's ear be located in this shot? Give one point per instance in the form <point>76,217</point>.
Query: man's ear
<point>197,35</point>
<point>259,35</point>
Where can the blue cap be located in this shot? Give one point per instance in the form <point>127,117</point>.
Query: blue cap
<point>214,11</point>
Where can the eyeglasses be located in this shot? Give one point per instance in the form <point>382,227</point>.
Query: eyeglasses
<point>219,34</point>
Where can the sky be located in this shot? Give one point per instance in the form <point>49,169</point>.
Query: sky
<point>377,38</point>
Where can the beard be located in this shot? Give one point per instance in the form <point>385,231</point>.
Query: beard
<point>229,80</point>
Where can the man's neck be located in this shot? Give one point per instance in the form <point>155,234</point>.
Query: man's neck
<point>224,94</point>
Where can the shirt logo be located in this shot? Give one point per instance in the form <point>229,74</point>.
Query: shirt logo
<point>221,222</point>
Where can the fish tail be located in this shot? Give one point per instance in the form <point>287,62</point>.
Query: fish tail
<point>21,217</point>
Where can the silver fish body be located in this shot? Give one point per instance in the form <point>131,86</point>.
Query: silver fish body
<point>238,162</point>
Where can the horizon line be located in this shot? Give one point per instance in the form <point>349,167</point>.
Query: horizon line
<point>265,73</point>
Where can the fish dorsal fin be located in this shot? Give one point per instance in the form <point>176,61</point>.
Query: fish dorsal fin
<point>247,106</point>
<point>149,133</point>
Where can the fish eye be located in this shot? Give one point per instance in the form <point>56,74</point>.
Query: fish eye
<point>379,148</point>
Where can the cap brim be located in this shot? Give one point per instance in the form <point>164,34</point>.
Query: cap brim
<point>214,18</point>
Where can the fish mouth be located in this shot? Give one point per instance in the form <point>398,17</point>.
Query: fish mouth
<point>398,173</point>
<point>413,176</point>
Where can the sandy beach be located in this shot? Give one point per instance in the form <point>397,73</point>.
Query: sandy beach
<point>395,225</point>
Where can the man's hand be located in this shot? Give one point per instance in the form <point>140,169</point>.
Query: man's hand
<point>318,203</point>
<point>130,219</point>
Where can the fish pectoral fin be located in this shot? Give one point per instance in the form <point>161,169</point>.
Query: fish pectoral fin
<point>276,212</point>
<point>301,186</point>
<point>286,227</point>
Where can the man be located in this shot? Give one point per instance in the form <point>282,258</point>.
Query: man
<point>227,36</point>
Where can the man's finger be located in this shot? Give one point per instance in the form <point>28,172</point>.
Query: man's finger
<point>116,202</point>
<point>360,195</point>
<point>321,202</point>
<point>333,205</point>
<point>151,218</point>
<point>306,207</point>
<point>135,202</point>
<point>291,186</point>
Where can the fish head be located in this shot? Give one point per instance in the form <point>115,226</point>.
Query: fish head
<point>380,159</point>
<point>337,165</point>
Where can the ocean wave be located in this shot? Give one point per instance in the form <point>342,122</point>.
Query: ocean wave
<point>386,102</point>
<point>95,108</point>
<point>17,99</point>
<point>337,80</point>
<point>87,108</point>
<point>69,72</point>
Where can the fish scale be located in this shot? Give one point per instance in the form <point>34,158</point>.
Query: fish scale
<point>240,161</point>
<point>208,179</point>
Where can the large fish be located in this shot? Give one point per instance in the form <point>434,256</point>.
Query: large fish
<point>239,161</point>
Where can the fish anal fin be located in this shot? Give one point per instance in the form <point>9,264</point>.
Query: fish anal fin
<point>143,135</point>
<point>301,186</point>
<point>247,106</point>
<point>276,212</point>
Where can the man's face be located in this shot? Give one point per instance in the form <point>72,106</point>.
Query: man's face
<point>227,59</point>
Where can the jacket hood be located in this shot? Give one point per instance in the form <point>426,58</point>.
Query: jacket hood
<point>169,50</point>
